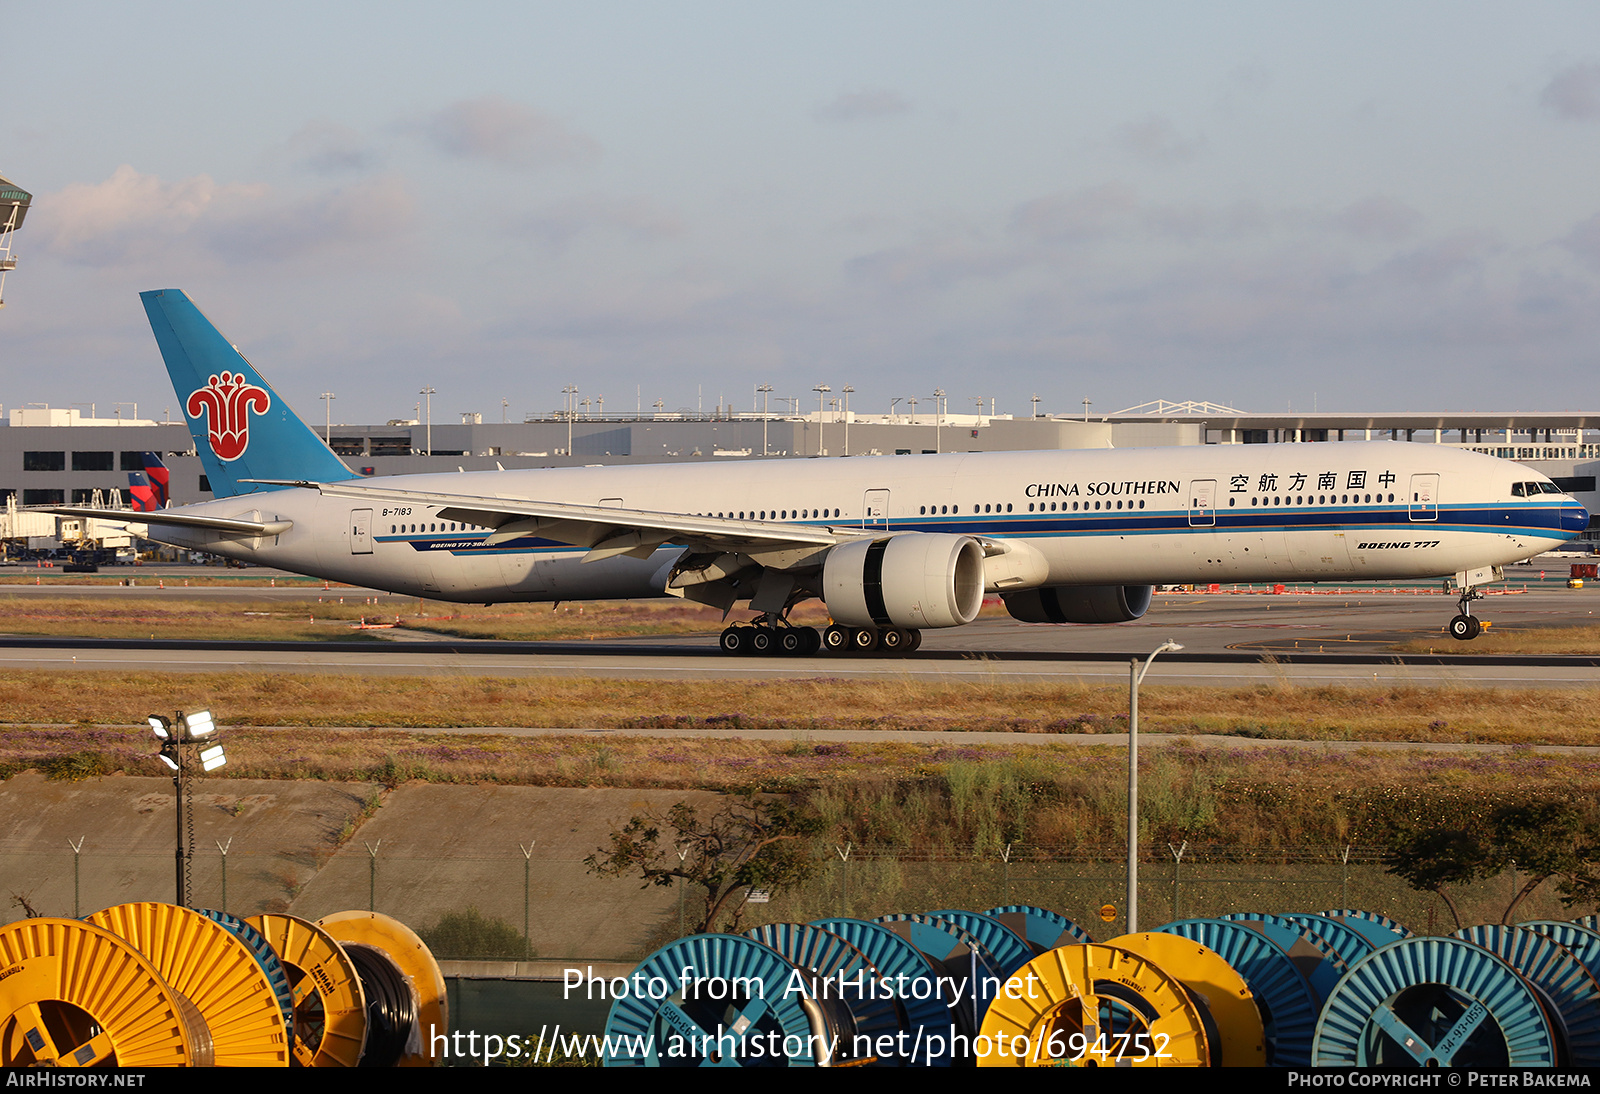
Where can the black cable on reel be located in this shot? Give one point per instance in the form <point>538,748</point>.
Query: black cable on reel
<point>391,1006</point>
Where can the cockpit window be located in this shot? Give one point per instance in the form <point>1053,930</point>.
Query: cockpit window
<point>1549,488</point>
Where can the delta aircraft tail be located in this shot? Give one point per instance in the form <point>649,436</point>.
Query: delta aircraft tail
<point>242,428</point>
<point>150,489</point>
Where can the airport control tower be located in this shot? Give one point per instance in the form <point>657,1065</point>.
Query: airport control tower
<point>14,202</point>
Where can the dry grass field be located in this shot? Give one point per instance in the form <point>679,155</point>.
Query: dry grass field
<point>1503,716</point>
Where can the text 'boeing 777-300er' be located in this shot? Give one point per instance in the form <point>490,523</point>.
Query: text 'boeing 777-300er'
<point>892,545</point>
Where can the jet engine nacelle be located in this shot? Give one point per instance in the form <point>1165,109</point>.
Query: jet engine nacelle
<point>1080,603</point>
<point>915,579</point>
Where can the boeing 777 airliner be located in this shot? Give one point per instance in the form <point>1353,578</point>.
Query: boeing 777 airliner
<point>892,545</point>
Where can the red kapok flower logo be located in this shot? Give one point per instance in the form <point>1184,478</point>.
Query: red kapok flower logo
<point>226,401</point>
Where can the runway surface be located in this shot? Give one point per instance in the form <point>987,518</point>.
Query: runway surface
<point>1339,636</point>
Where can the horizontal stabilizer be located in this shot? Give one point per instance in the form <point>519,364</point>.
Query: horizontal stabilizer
<point>173,519</point>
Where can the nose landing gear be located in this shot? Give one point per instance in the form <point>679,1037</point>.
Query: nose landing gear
<point>1466,626</point>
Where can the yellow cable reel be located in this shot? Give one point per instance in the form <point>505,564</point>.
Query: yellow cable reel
<point>1092,1005</point>
<point>411,958</point>
<point>76,995</point>
<point>1237,1037</point>
<point>215,971</point>
<point>330,1009</point>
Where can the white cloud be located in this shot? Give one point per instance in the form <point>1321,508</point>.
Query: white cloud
<point>507,133</point>
<point>133,217</point>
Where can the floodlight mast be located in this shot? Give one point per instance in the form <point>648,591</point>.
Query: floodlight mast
<point>192,730</point>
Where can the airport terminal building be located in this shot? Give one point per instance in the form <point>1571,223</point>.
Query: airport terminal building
<point>52,456</point>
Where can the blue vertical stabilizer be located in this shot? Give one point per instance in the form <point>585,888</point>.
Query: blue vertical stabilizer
<point>242,428</point>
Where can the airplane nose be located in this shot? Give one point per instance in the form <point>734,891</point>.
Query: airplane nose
<point>1574,518</point>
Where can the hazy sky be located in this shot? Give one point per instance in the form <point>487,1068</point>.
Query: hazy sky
<point>1369,206</point>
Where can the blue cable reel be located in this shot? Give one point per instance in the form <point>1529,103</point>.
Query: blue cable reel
<point>265,956</point>
<point>920,1002</point>
<point>1319,966</point>
<point>1378,929</point>
<point>844,990</point>
<point>1433,1002</point>
<point>1041,928</point>
<point>973,972</point>
<point>1288,1005</point>
<point>1010,949</point>
<point>1350,944</point>
<point>1560,979</point>
<point>713,1000</point>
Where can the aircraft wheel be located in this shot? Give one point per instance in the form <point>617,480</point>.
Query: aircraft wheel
<point>810,641</point>
<point>893,640</point>
<point>915,641</point>
<point>836,639</point>
<point>864,639</point>
<point>1464,627</point>
<point>761,643</point>
<point>735,640</point>
<point>791,641</point>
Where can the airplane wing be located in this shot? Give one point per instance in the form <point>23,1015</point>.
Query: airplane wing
<point>606,532</point>
<point>172,519</point>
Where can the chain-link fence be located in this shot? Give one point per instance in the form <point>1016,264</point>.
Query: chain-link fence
<point>522,905</point>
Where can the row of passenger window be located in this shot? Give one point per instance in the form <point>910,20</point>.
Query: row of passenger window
<point>1321,499</point>
<point>774,514</point>
<point>437,526</point>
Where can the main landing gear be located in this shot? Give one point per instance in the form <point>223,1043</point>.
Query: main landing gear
<point>768,638</point>
<point>1466,626</point>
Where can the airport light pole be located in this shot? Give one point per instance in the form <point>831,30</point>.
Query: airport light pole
<point>327,398</point>
<point>569,391</point>
<point>1135,675</point>
<point>821,390</point>
<point>938,419</point>
<point>846,390</point>
<point>429,392</point>
<point>766,393</point>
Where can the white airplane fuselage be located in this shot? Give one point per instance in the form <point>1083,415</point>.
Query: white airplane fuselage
<point>1350,511</point>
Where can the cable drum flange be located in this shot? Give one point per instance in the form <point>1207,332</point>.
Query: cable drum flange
<point>1313,955</point>
<point>1377,927</point>
<point>1011,951</point>
<point>423,1009</point>
<point>712,1000</point>
<point>1433,1002</point>
<point>330,1007</point>
<point>265,956</point>
<point>1287,1005</point>
<point>843,990</point>
<point>1346,942</point>
<point>972,972</point>
<point>76,995</point>
<point>1093,1005</point>
<point>1561,979</point>
<point>217,973</point>
<point>1041,928</point>
<point>1232,1021</point>
<point>920,1002</point>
